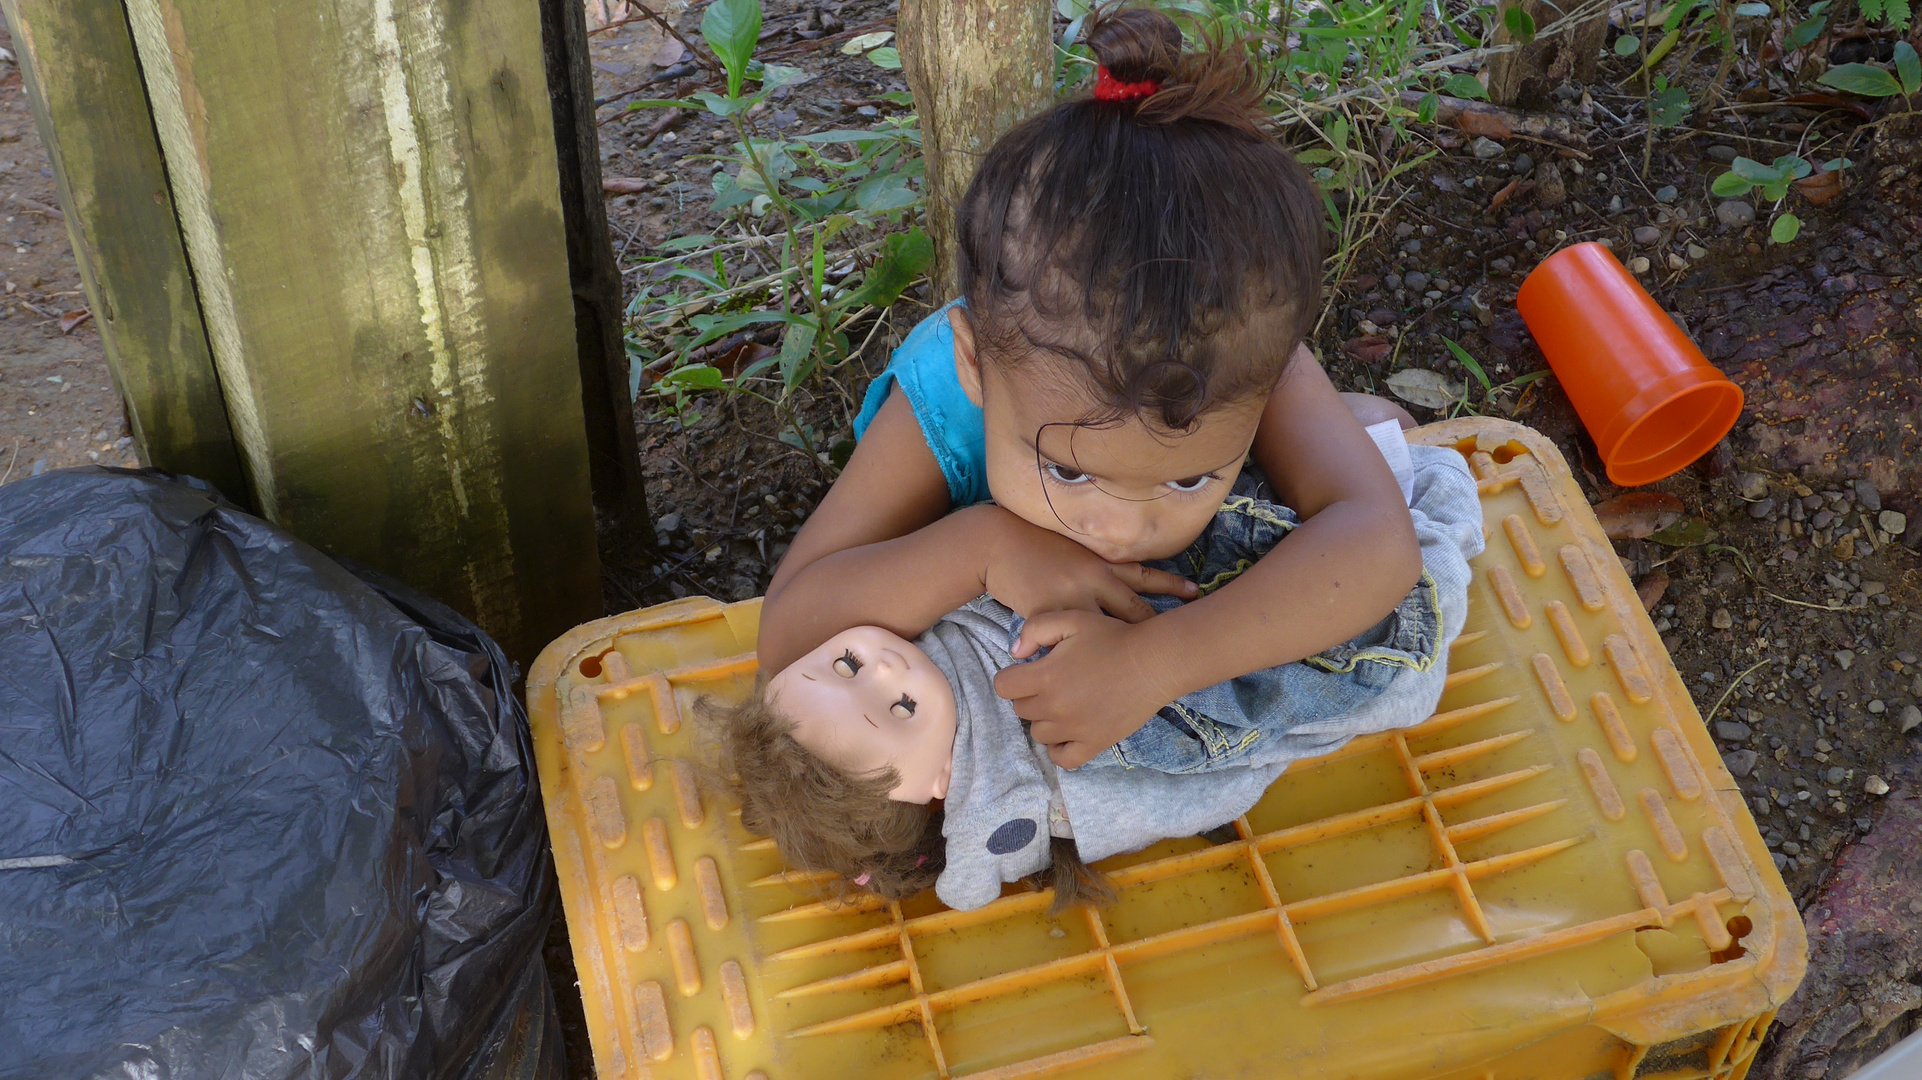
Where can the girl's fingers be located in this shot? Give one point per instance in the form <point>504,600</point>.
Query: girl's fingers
<point>1161,582</point>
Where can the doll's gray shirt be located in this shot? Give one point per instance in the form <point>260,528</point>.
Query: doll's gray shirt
<point>997,813</point>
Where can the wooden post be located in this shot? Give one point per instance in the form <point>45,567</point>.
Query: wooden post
<point>1525,77</point>
<point>83,84</point>
<point>977,68</point>
<point>614,459</point>
<point>368,199</point>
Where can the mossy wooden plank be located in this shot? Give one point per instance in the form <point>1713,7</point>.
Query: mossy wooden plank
<point>369,197</point>
<point>82,81</point>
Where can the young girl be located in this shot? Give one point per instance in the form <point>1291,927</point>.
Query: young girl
<point>842,755</point>
<point>1140,268</point>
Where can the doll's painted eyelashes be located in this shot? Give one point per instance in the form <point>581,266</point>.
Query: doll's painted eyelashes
<point>847,665</point>
<point>902,709</point>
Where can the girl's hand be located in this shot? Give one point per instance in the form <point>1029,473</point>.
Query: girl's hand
<point>1034,571</point>
<point>1088,693</point>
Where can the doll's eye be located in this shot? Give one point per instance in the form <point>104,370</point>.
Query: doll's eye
<point>1062,474</point>
<point>847,664</point>
<point>902,709</point>
<point>1193,483</point>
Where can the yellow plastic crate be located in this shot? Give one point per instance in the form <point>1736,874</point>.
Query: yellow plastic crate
<point>1553,878</point>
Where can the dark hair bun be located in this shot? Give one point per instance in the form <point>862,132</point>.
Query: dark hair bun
<point>1135,44</point>
<point>1218,83</point>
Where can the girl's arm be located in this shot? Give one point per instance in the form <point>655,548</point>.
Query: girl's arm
<point>1353,558</point>
<point>882,550</point>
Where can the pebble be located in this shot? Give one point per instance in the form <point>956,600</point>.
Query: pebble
<point>1878,707</point>
<point>1868,496</point>
<point>1740,763</point>
<point>1549,189</point>
<point>1638,265</point>
<point>1415,280</point>
<point>1697,252</point>
<point>1615,204</point>
<point>1762,509</point>
<point>1822,518</point>
<point>1844,657</point>
<point>1734,213</point>
<point>1404,230</point>
<point>1724,573</point>
<point>669,524</point>
<point>1877,786</point>
<point>1731,731</point>
<point>1893,522</point>
<point>1751,485</point>
<point>1723,154</point>
<point>1835,775</point>
<point>1666,194</point>
<point>1675,262</point>
<point>1648,234</point>
<point>1485,148</point>
<point>1721,620</point>
<point>1911,718</point>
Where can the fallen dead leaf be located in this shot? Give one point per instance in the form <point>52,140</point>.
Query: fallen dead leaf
<point>1638,514</point>
<point>1517,186</point>
<point>1822,188</point>
<point>623,185</point>
<point>1651,588</point>
<point>72,319</point>
<point>1429,389</point>
<point>670,53</point>
<point>1368,350</point>
<point>1486,124</point>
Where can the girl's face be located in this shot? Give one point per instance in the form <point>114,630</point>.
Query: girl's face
<point>869,699</point>
<point>1126,491</point>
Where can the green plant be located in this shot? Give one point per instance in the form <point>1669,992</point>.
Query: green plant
<point>818,190</point>
<point>1772,180</point>
<point>1869,80</point>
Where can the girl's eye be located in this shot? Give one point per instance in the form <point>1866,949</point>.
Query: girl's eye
<point>1062,474</point>
<point>902,709</point>
<point>847,664</point>
<point>1193,483</point>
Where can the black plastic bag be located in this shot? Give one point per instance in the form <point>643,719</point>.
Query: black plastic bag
<point>260,816</point>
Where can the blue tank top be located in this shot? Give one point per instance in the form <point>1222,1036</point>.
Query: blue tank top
<point>923,367</point>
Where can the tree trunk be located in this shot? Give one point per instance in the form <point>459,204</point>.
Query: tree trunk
<point>977,68</point>
<point>1524,77</point>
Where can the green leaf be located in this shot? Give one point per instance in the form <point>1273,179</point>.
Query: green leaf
<point>1688,532</point>
<point>820,261</point>
<point>867,41</point>
<point>1463,85</point>
<point>1833,164</point>
<point>731,28</point>
<point>1468,362</point>
<point>694,377</point>
<point>1909,66</point>
<point>687,243</point>
<point>1806,31</point>
<point>658,103</point>
<point>1776,191</point>
<point>1864,79</point>
<point>775,76</point>
<point>1667,108</point>
<point>1519,23</point>
<point>887,191</point>
<point>796,348</point>
<point>723,106</point>
<point>1627,44</point>
<point>1755,172</point>
<point>1728,185</point>
<point>905,256</point>
<point>848,135</point>
<point>887,56</point>
<point>1786,228</point>
<point>1791,166</point>
<point>1429,105</point>
<point>1752,11</point>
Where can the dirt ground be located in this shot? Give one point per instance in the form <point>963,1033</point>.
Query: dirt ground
<point>1798,627</point>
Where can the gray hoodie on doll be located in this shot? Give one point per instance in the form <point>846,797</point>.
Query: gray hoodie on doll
<point>1005,797</point>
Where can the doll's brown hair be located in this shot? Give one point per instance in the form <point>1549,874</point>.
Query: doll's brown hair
<point>824,818</point>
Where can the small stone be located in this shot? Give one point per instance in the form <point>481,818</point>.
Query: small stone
<point>1822,518</point>
<point>1761,509</point>
<point>1697,252</point>
<point>1740,763</point>
<point>1911,719</point>
<point>1835,775</point>
<point>1724,573</point>
<point>1844,657</point>
<point>669,524</point>
<point>1523,163</point>
<point>1723,154</point>
<point>1867,494</point>
<point>1485,148</point>
<point>1404,230</point>
<point>1876,785</point>
<point>1648,234</point>
<point>1893,522</point>
<point>1415,281</point>
<point>1823,746</point>
<point>1721,620</point>
<point>1735,213</point>
<point>1751,485</point>
<point>1638,265</point>
<point>1615,204</point>
<point>1878,707</point>
<point>1675,262</point>
<point>1666,194</point>
<point>1731,731</point>
<point>1791,847</point>
<point>1549,188</point>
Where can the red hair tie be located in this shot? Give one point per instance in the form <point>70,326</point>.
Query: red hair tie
<point>1109,88</point>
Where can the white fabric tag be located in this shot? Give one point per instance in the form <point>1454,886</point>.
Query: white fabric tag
<point>1393,444</point>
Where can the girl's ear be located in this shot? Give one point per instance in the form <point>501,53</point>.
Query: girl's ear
<point>967,363</point>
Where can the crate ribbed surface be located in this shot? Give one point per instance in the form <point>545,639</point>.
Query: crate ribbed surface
<point>1551,878</point>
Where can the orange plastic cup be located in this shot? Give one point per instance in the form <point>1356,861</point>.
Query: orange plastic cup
<point>1650,399</point>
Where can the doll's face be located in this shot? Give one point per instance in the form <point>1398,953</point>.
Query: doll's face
<point>869,699</point>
